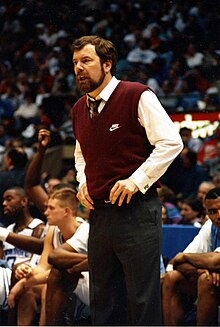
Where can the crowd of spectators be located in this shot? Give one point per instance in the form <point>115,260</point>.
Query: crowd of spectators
<point>172,46</point>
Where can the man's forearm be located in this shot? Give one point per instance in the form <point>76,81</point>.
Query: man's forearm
<point>186,269</point>
<point>27,243</point>
<point>63,259</point>
<point>33,177</point>
<point>209,260</point>
<point>79,267</point>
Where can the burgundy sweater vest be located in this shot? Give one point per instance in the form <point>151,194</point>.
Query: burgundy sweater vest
<point>114,144</point>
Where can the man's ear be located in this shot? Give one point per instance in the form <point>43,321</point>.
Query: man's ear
<point>107,66</point>
<point>68,211</point>
<point>24,202</point>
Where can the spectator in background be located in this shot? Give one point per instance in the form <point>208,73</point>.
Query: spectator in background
<point>142,54</point>
<point>216,180</point>
<point>192,212</point>
<point>14,163</point>
<point>190,142</point>
<point>169,206</point>
<point>192,173</point>
<point>193,57</point>
<point>209,150</point>
<point>26,112</point>
<point>185,175</point>
<point>213,164</point>
<point>203,188</point>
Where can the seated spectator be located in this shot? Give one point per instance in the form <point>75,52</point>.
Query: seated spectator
<point>184,175</point>
<point>26,112</point>
<point>189,94</point>
<point>191,268</point>
<point>193,57</point>
<point>169,201</point>
<point>173,215</point>
<point>141,54</point>
<point>213,164</point>
<point>167,96</point>
<point>189,141</point>
<point>6,109</point>
<point>192,212</point>
<point>211,62</point>
<point>209,149</point>
<point>15,249</point>
<point>216,180</point>
<point>203,188</point>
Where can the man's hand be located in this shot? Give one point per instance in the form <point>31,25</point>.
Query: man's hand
<point>215,278</point>
<point>23,270</point>
<point>43,140</point>
<point>121,190</point>
<point>84,197</point>
<point>179,259</point>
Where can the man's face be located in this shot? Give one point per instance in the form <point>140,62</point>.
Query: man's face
<point>51,184</point>
<point>12,203</point>
<point>89,71</point>
<point>54,212</point>
<point>188,213</point>
<point>213,210</point>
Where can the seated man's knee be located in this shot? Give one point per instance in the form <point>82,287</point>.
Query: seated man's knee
<point>55,277</point>
<point>205,284</point>
<point>171,279</point>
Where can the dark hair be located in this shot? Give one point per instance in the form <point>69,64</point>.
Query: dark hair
<point>18,157</point>
<point>185,129</point>
<point>105,49</point>
<point>213,194</point>
<point>18,189</point>
<point>192,156</point>
<point>195,204</point>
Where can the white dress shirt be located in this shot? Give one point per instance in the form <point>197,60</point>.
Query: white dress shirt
<point>160,131</point>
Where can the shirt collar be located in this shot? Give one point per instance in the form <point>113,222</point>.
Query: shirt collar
<point>108,90</point>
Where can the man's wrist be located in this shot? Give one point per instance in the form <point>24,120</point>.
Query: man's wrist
<point>41,151</point>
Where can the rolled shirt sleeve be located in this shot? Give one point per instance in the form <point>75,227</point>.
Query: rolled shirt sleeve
<point>162,134</point>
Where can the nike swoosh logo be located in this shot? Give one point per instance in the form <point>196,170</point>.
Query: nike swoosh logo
<point>114,127</point>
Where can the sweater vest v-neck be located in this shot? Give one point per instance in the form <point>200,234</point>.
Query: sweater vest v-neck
<point>114,144</point>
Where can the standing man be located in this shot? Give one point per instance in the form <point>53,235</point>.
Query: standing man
<point>122,149</point>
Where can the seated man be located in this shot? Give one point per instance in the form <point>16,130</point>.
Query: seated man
<point>183,285</point>
<point>16,244</point>
<point>61,215</point>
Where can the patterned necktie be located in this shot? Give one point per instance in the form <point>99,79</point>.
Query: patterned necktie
<point>93,107</point>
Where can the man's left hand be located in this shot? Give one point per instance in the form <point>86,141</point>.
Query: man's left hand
<point>121,190</point>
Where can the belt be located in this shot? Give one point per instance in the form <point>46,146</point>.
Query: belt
<point>101,203</point>
<point>107,202</point>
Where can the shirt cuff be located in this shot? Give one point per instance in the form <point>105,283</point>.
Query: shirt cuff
<point>82,181</point>
<point>141,180</point>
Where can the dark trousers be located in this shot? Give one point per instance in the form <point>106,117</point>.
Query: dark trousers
<point>124,263</point>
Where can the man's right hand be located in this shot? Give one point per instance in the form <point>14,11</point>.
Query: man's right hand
<point>43,140</point>
<point>23,270</point>
<point>84,197</point>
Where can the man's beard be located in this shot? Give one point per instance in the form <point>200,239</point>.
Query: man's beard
<point>88,85</point>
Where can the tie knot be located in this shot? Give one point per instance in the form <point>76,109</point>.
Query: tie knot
<point>93,107</point>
